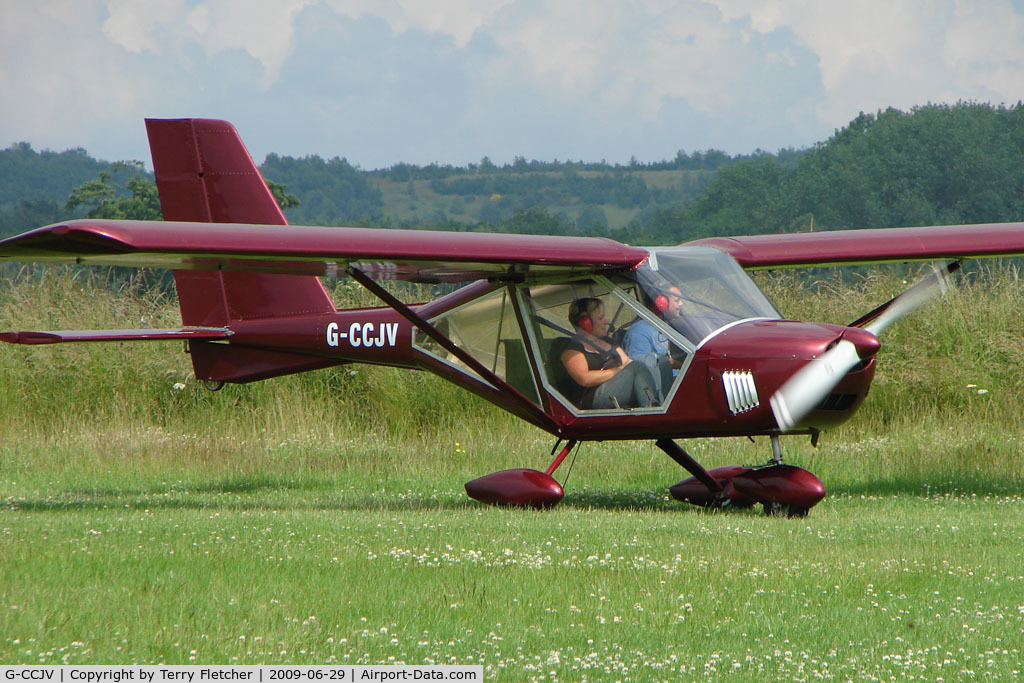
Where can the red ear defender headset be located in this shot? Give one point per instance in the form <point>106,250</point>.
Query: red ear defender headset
<point>580,316</point>
<point>661,303</point>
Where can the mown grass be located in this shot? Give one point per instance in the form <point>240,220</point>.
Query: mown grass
<point>320,518</point>
<point>868,588</point>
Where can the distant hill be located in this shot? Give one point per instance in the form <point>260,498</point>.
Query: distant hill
<point>590,196</point>
<point>936,164</point>
<point>569,197</point>
<point>604,199</point>
<point>26,174</point>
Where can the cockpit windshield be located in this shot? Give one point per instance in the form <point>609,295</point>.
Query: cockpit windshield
<point>700,290</point>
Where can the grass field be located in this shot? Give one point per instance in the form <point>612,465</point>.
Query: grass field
<point>320,519</point>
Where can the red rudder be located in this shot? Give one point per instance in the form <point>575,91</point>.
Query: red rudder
<point>205,174</point>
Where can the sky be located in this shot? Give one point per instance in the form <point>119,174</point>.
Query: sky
<point>452,81</point>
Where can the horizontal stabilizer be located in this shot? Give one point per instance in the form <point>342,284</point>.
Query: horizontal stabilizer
<point>59,336</point>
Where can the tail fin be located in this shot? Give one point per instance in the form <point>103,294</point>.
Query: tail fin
<point>205,174</point>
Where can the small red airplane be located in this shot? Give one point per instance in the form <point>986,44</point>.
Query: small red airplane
<point>585,338</point>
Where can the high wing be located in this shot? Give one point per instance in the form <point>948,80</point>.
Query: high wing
<point>847,247</point>
<point>414,255</point>
<point>435,256</point>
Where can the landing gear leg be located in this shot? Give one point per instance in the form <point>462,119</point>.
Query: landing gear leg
<point>560,457</point>
<point>718,497</point>
<point>776,449</point>
<point>773,509</point>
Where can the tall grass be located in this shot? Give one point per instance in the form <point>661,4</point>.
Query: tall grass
<point>138,402</point>
<point>944,409</point>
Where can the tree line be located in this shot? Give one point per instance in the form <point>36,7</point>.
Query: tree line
<point>934,164</point>
<point>699,160</point>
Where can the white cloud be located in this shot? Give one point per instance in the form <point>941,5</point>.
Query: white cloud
<point>452,80</point>
<point>458,19</point>
<point>137,26</point>
<point>986,46</point>
<point>878,53</point>
<point>57,76</point>
<point>262,29</point>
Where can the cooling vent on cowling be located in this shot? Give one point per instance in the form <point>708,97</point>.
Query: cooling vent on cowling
<point>740,391</point>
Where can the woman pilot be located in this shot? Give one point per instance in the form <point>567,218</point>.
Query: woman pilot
<point>599,373</point>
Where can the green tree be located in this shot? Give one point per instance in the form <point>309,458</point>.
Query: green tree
<point>537,221</point>
<point>333,192</point>
<point>99,199</point>
<point>592,220</point>
<point>29,214</point>
<point>281,196</point>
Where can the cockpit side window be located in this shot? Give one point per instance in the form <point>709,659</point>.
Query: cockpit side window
<point>580,333</point>
<point>487,329</point>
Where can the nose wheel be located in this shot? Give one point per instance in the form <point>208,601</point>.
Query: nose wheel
<point>784,510</point>
<point>783,490</point>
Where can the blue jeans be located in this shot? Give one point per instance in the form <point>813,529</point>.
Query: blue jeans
<point>632,387</point>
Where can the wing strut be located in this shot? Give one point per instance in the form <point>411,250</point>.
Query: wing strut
<point>450,346</point>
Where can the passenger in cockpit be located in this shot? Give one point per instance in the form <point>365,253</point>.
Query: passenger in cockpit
<point>599,374</point>
<point>646,343</point>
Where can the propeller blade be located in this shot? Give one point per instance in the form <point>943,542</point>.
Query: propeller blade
<point>924,290</point>
<point>811,384</point>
